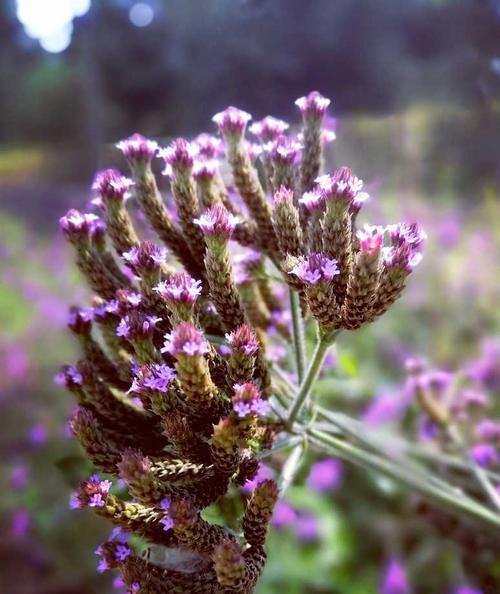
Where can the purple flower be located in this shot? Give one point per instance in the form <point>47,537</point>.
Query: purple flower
<point>111,185</point>
<point>20,523</point>
<point>179,156</point>
<point>180,288</point>
<point>122,551</point>
<point>394,579</point>
<point>76,225</point>
<point>313,200</point>
<point>167,521</point>
<point>284,151</point>
<point>205,171</point>
<point>91,493</point>
<point>138,148</point>
<point>152,377</point>
<point>185,340</point>
<point>283,196</point>
<point>147,257</point>
<point>232,121</point>
<point>371,238</point>
<point>208,146</point>
<point>247,400</point>
<point>38,434</point>
<point>325,476</point>
<point>467,590</point>
<point>18,477</point>
<point>123,328</point>
<point>383,409</point>
<point>284,515</point>
<point>488,430</point>
<point>342,186</point>
<point>315,268</point>
<point>485,455</point>
<point>217,222</point>
<point>243,340</point>
<point>268,129</point>
<point>313,105</point>
<point>263,474</point>
<point>68,376</point>
<point>307,528</point>
<point>406,234</point>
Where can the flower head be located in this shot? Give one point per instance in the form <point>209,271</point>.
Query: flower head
<point>217,222</point>
<point>284,151</point>
<point>138,149</point>
<point>315,268</point>
<point>179,156</point>
<point>76,225</point>
<point>371,238</point>
<point>185,340</point>
<point>268,129</point>
<point>244,340</point>
<point>485,455</point>
<point>313,105</point>
<point>154,376</point>
<point>313,200</point>
<point>180,288</point>
<point>69,377</point>
<point>208,146</point>
<point>247,400</point>
<point>91,493</point>
<point>232,121</point>
<point>136,325</point>
<point>111,185</point>
<point>80,319</point>
<point>147,257</point>
<point>342,185</point>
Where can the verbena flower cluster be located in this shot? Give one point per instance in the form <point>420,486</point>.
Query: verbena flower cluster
<point>175,384</point>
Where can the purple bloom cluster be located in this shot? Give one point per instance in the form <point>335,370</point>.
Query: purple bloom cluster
<point>217,222</point>
<point>313,200</point>
<point>243,340</point>
<point>371,238</point>
<point>179,156</point>
<point>92,493</point>
<point>180,288</point>
<point>138,148</point>
<point>76,225</point>
<point>185,340</point>
<point>155,377</point>
<point>167,520</point>
<point>405,252</point>
<point>268,129</point>
<point>136,325</point>
<point>147,257</point>
<point>315,268</point>
<point>208,146</point>
<point>284,151</point>
<point>232,121</point>
<point>394,579</point>
<point>326,475</point>
<point>342,186</point>
<point>313,105</point>
<point>205,170</point>
<point>111,185</point>
<point>247,400</point>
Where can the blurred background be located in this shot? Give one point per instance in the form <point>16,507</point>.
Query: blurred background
<point>415,90</point>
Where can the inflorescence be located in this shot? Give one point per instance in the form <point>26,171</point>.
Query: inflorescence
<point>175,384</point>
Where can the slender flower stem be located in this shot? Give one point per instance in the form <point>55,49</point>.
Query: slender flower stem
<point>291,468</point>
<point>299,343</point>
<point>451,497</point>
<point>324,341</point>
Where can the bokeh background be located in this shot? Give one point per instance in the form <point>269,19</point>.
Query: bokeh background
<point>416,96</point>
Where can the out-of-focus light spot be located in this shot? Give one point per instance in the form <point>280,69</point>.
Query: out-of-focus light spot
<point>495,66</point>
<point>141,14</point>
<point>57,41</point>
<point>51,21</point>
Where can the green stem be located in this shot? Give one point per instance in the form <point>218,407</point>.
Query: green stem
<point>290,468</point>
<point>324,341</point>
<point>450,496</point>
<point>299,343</point>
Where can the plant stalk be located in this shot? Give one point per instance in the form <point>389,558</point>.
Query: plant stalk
<point>299,343</point>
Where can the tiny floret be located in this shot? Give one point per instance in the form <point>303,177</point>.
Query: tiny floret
<point>179,156</point>
<point>268,129</point>
<point>180,288</point>
<point>243,340</point>
<point>371,238</point>
<point>247,400</point>
<point>157,377</point>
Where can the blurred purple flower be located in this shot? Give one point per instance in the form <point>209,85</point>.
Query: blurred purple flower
<point>284,515</point>
<point>38,434</point>
<point>394,579</point>
<point>20,523</point>
<point>326,475</point>
<point>306,528</point>
<point>263,474</point>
